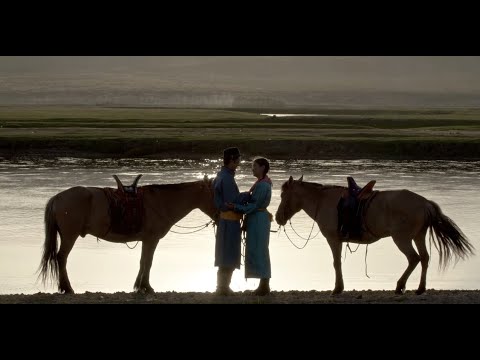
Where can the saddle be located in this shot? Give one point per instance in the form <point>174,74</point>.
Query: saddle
<point>351,208</point>
<point>357,191</point>
<point>125,207</point>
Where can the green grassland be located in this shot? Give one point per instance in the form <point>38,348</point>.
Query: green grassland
<point>165,132</point>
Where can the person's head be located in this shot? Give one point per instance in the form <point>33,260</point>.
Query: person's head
<point>260,167</point>
<point>231,157</point>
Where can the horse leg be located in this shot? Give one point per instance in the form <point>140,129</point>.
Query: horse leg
<point>66,246</point>
<point>336,247</point>
<point>142,283</point>
<point>424,258</point>
<point>405,245</point>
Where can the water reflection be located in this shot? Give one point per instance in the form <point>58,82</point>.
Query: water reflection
<point>185,262</point>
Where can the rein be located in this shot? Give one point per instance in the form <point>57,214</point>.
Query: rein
<point>184,227</point>
<point>199,228</point>
<point>134,246</point>
<point>301,237</point>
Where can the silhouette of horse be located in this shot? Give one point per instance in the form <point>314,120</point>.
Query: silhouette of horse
<point>401,214</point>
<point>79,211</point>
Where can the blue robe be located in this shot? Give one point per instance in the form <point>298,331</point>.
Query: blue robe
<point>257,255</point>
<point>228,235</point>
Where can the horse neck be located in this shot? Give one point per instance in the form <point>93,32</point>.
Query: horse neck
<point>177,202</point>
<point>314,198</point>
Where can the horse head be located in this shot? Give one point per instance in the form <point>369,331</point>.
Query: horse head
<point>206,200</point>
<point>290,202</point>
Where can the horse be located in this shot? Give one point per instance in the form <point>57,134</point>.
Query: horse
<point>401,214</point>
<point>80,210</point>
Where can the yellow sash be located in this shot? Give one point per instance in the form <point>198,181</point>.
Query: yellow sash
<point>231,215</point>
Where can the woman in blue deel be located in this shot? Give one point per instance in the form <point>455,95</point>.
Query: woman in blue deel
<point>258,219</point>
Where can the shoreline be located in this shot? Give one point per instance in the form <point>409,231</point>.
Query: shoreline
<point>432,296</point>
<point>275,149</point>
<point>164,133</point>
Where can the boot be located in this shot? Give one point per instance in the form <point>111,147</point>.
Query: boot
<point>263,288</point>
<point>224,277</point>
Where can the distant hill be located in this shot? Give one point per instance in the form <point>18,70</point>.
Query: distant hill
<point>242,81</point>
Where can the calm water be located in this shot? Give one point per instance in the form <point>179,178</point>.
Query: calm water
<point>290,115</point>
<point>185,262</point>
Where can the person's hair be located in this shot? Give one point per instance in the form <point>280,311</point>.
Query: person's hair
<point>263,162</point>
<point>226,159</point>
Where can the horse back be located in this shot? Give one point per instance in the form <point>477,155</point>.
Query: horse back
<point>402,201</point>
<point>78,197</point>
<point>392,210</point>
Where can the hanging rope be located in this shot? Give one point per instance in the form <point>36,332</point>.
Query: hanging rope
<point>301,237</point>
<point>132,247</point>
<point>185,227</point>
<point>244,245</point>
<point>352,251</point>
<point>298,247</point>
<point>366,251</point>
<point>194,227</point>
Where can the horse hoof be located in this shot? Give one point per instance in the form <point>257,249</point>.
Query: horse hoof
<point>150,291</point>
<point>400,292</point>
<point>140,291</point>
<point>420,291</point>
<point>145,291</point>
<point>336,292</point>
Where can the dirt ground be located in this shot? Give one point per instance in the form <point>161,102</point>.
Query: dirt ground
<point>276,297</point>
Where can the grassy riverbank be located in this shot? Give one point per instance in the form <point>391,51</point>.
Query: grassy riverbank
<point>194,133</point>
<point>276,297</point>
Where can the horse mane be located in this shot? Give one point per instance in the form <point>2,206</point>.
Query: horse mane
<point>317,186</point>
<point>178,186</point>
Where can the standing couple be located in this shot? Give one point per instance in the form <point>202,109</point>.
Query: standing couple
<point>232,205</point>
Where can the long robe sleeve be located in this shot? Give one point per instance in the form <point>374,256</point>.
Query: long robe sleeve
<point>218,196</point>
<point>225,191</point>
<point>260,199</point>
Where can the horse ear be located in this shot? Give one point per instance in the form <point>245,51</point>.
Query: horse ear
<point>301,178</point>
<point>205,178</point>
<point>290,180</point>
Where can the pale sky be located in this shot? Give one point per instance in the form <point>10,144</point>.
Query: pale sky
<point>284,73</point>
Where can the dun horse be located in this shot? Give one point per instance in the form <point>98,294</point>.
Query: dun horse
<point>401,214</point>
<point>79,211</point>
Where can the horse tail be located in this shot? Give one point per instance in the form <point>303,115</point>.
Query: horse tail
<point>49,263</point>
<point>447,237</point>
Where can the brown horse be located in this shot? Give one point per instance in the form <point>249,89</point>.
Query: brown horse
<point>85,210</point>
<point>401,214</point>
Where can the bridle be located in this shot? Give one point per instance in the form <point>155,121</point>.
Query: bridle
<point>290,222</point>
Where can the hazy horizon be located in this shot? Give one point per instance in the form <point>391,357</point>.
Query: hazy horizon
<point>209,80</point>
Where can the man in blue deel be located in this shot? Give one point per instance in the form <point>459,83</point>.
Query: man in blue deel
<point>228,235</point>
